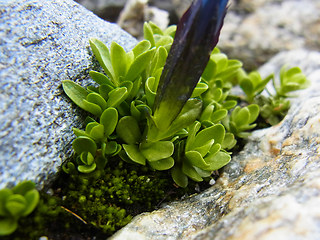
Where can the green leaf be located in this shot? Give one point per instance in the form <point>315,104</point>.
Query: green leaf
<point>84,144</point>
<point>141,47</point>
<point>247,87</point>
<point>109,119</point>
<point>219,115</point>
<point>100,78</point>
<point>119,61</point>
<point>79,132</point>
<point>102,54</point>
<point>111,148</point>
<point>148,33</point>
<point>104,90</point>
<point>134,153</point>
<point>218,160</point>
<point>162,164</point>
<point>242,117</point>
<point>204,149</point>
<point>117,96</point>
<point>87,168</point>
<point>191,172</point>
<point>8,226</point>
<point>32,198</point>
<point>4,194</point>
<point>215,149</point>
<point>97,99</point>
<point>155,151</point>
<point>150,90</point>
<point>199,89</point>
<point>23,187</point>
<point>229,104</point>
<point>193,129</point>
<point>76,93</point>
<point>97,132</point>
<point>196,159</point>
<point>128,130</point>
<point>15,205</point>
<point>254,112</point>
<point>139,64</point>
<point>92,108</point>
<point>86,158</point>
<point>179,177</point>
<point>229,141</point>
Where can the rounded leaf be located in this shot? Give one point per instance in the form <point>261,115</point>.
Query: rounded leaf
<point>117,96</point>
<point>84,144</point>
<point>8,226</point>
<point>179,177</point>
<point>23,187</point>
<point>97,132</point>
<point>242,117</point>
<point>254,112</point>
<point>195,159</point>
<point>219,115</point>
<point>191,172</point>
<point>32,198</point>
<point>4,194</point>
<point>15,205</point>
<point>162,164</point>
<point>134,154</point>
<point>109,119</point>
<point>128,130</point>
<point>217,161</point>
<point>97,99</point>
<point>155,151</point>
<point>87,168</point>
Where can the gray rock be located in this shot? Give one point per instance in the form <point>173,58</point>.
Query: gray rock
<point>270,190</point>
<point>254,31</point>
<point>106,9</point>
<point>41,44</point>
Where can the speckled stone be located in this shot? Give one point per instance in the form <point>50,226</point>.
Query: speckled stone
<point>41,44</point>
<point>254,31</point>
<point>269,191</point>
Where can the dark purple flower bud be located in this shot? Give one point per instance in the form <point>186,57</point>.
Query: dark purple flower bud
<point>197,34</point>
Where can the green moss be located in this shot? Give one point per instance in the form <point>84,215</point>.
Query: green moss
<point>96,205</point>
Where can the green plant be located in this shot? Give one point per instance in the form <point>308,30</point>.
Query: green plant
<point>168,104</point>
<point>274,106</point>
<point>15,203</point>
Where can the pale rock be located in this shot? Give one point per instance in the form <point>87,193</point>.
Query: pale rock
<point>41,44</point>
<point>269,191</point>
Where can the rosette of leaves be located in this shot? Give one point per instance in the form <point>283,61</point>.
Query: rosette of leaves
<point>275,106</point>
<point>252,84</point>
<point>15,203</point>
<point>242,119</point>
<point>94,145</point>
<point>124,74</point>
<point>200,154</point>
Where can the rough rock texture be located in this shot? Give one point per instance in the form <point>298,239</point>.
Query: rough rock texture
<point>136,12</point>
<point>256,30</point>
<point>42,43</point>
<point>106,9</point>
<point>270,190</point>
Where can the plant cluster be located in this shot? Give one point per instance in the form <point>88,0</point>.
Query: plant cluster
<point>129,121</point>
<point>15,203</point>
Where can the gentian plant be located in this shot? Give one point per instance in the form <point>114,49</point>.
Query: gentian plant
<point>167,102</point>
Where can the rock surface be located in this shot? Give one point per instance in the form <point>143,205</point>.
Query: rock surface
<point>41,44</point>
<point>270,190</point>
<point>254,31</point>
